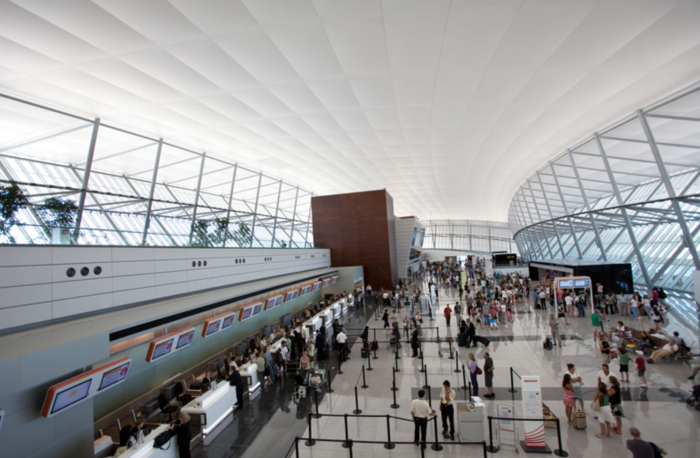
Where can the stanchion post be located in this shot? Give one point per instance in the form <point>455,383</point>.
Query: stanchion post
<point>340,365</point>
<point>364,381</point>
<point>388,445</point>
<point>451,353</point>
<point>396,361</point>
<point>512,385</point>
<point>491,448</point>
<point>346,444</point>
<point>317,415</point>
<point>436,445</point>
<point>357,410</point>
<point>393,382</point>
<point>310,442</point>
<point>560,451</point>
<point>369,361</point>
<point>457,371</point>
<point>395,405</point>
<point>438,336</point>
<point>425,374</point>
<point>296,446</point>
<point>329,377</point>
<point>422,363</point>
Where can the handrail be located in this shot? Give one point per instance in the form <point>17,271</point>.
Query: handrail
<point>370,416</point>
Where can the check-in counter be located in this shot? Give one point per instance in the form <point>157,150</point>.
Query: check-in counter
<point>214,406</point>
<point>312,325</point>
<point>344,304</point>
<point>327,317</point>
<point>249,372</point>
<point>146,450</point>
<point>337,308</point>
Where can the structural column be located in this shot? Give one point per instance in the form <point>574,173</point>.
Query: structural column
<point>151,193</point>
<point>86,179</point>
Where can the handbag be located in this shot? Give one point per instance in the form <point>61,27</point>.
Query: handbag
<point>479,371</point>
<point>162,439</point>
<point>595,405</point>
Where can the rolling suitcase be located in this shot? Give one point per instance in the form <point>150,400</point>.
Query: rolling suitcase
<point>365,352</point>
<point>579,420</point>
<point>462,339</point>
<point>483,340</point>
<point>548,345</point>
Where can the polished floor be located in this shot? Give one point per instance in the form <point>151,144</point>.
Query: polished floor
<point>268,425</point>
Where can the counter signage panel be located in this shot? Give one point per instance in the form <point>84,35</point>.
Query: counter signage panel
<point>211,326</point>
<point>114,376</point>
<point>162,349</point>
<point>306,289</point>
<point>291,295</point>
<point>71,395</point>
<point>317,286</point>
<point>257,309</point>
<point>227,322</point>
<point>326,281</point>
<point>273,302</point>
<point>246,313</point>
<point>583,283</point>
<point>334,280</point>
<point>166,345</point>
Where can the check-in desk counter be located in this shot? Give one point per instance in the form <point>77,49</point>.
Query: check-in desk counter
<point>327,317</point>
<point>337,308</point>
<point>344,304</point>
<point>146,450</point>
<point>213,406</point>
<point>249,372</point>
<point>312,325</point>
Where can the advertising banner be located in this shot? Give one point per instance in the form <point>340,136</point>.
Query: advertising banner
<point>532,408</point>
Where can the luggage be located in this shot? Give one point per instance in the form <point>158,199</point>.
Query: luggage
<point>548,417</point>
<point>548,345</point>
<point>483,340</point>
<point>374,345</point>
<point>365,353</point>
<point>462,339</point>
<point>579,419</point>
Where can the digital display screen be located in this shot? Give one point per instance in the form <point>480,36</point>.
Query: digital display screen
<point>246,313</point>
<point>71,395</point>
<point>185,339</point>
<point>305,290</point>
<point>292,295</point>
<point>213,327</point>
<point>162,349</point>
<point>582,283</point>
<point>228,321</point>
<point>113,376</point>
<point>566,283</point>
<point>317,286</point>
<point>334,280</point>
<point>257,309</point>
<point>326,282</point>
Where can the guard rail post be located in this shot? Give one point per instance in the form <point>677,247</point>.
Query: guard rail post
<point>388,445</point>
<point>491,448</point>
<point>512,385</point>
<point>436,445</point>
<point>357,410</point>
<point>364,381</point>
<point>560,451</point>
<point>346,444</point>
<point>310,442</point>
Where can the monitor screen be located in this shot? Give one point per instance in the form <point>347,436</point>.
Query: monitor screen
<point>228,321</point>
<point>566,283</point>
<point>334,280</point>
<point>246,313</point>
<point>213,327</point>
<point>115,375</point>
<point>257,309</point>
<point>71,395</point>
<point>185,339</point>
<point>317,286</point>
<point>279,301</point>
<point>582,283</point>
<point>326,282</point>
<point>162,349</point>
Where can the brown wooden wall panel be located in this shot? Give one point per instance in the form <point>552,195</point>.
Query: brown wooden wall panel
<point>358,229</point>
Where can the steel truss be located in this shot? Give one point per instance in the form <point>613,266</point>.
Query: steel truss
<point>134,190</point>
<point>629,193</point>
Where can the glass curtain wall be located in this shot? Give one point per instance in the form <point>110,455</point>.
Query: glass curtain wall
<point>473,236</point>
<point>129,189</point>
<point>629,193</point>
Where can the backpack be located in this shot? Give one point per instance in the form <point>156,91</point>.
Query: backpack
<point>162,439</point>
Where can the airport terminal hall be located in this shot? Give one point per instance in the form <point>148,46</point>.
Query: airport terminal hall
<point>349,228</point>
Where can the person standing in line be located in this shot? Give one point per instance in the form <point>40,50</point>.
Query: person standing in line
<point>641,448</point>
<point>448,313</point>
<point>420,411</point>
<point>385,317</point>
<point>576,383</point>
<point>554,326</point>
<point>458,311</point>
<point>447,409</point>
<point>488,375</point>
<point>473,372</point>
<point>569,402</point>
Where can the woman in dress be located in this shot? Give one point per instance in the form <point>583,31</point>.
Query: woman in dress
<point>569,402</point>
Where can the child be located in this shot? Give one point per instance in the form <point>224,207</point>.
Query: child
<point>624,364</point>
<point>509,316</point>
<point>641,369</point>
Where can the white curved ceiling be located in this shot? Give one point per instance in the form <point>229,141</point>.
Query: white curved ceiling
<point>449,105</point>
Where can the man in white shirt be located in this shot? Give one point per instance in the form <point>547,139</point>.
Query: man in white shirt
<point>569,304</point>
<point>577,383</point>
<point>420,411</point>
<point>604,375</point>
<point>341,338</point>
<point>284,351</point>
<point>669,349</point>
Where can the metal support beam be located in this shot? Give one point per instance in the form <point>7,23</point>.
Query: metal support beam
<point>86,179</point>
<point>230,203</point>
<point>308,223</point>
<point>255,211</point>
<point>566,210</point>
<point>623,211</point>
<point>152,191</point>
<point>277,209</point>
<point>196,196</point>
<point>549,209</point>
<point>294,218</point>
<point>601,247</point>
<point>690,243</point>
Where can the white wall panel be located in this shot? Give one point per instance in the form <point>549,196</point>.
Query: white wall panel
<point>34,286</point>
